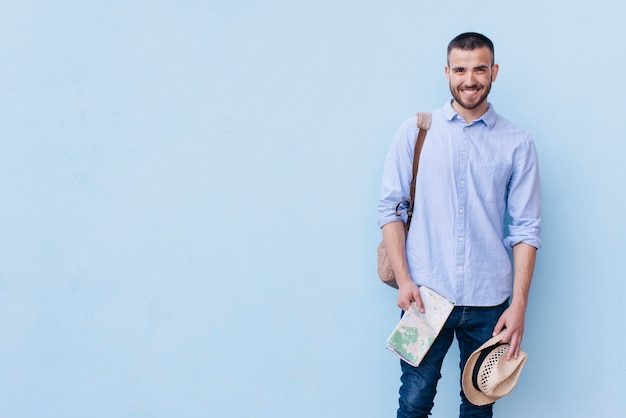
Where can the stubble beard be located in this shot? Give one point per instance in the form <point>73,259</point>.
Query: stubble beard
<point>470,106</point>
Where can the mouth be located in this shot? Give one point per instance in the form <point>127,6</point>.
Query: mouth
<point>470,91</point>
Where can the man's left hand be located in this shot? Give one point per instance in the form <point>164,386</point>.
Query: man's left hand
<point>513,320</point>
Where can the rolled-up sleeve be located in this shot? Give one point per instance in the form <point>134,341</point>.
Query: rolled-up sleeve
<point>524,199</point>
<point>397,174</point>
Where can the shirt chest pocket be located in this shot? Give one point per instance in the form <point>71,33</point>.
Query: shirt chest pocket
<point>490,180</point>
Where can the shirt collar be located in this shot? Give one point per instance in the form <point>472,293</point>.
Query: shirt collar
<point>488,118</point>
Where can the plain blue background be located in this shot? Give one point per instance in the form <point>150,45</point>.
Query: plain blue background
<point>189,189</point>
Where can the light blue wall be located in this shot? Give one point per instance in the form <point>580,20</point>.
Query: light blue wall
<point>189,188</point>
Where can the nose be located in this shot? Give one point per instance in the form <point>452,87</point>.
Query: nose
<point>469,78</point>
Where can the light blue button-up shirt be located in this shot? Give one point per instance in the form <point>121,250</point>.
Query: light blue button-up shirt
<point>477,195</point>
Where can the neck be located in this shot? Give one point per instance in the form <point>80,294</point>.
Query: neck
<point>470,115</point>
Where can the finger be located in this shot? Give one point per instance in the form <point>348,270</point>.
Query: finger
<point>419,302</point>
<point>499,327</point>
<point>513,351</point>
<point>515,347</point>
<point>508,334</point>
<point>404,303</point>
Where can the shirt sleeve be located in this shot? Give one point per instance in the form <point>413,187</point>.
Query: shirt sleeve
<point>524,199</point>
<point>397,174</point>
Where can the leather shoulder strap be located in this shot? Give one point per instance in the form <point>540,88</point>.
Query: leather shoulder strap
<point>423,124</point>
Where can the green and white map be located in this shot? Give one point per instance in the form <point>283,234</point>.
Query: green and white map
<point>416,331</point>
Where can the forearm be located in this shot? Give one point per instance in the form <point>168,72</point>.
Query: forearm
<point>394,238</point>
<point>524,256</point>
<point>513,318</point>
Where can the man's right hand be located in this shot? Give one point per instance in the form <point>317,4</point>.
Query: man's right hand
<point>408,292</point>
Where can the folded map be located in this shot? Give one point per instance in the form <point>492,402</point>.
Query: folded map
<point>416,331</point>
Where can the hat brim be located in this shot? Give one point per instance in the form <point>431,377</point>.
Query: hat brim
<point>474,395</point>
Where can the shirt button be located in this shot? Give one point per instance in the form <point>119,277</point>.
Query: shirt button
<point>460,238</point>
<point>462,182</point>
<point>461,210</point>
<point>459,268</point>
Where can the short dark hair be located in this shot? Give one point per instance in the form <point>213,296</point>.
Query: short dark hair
<point>470,41</point>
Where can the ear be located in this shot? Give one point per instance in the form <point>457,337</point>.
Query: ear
<point>494,72</point>
<point>446,69</point>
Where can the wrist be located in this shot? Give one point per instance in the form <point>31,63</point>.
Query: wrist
<point>519,303</point>
<point>403,279</point>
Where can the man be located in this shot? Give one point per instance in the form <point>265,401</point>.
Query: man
<point>475,169</point>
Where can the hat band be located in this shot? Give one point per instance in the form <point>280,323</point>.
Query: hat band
<point>483,355</point>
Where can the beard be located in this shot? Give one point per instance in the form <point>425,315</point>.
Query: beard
<point>473,104</point>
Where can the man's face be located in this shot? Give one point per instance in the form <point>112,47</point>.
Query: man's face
<point>470,74</point>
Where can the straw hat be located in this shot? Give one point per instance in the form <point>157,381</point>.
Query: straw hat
<point>488,375</point>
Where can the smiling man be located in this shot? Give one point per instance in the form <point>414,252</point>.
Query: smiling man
<point>470,74</point>
<point>477,170</point>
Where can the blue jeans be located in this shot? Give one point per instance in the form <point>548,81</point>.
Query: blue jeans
<point>472,326</point>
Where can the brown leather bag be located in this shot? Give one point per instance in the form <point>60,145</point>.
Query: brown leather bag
<point>385,271</point>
